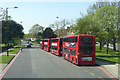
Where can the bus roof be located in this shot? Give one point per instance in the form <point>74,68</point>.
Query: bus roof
<point>55,38</point>
<point>79,35</point>
<point>46,39</point>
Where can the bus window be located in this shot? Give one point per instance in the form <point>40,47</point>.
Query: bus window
<point>86,40</point>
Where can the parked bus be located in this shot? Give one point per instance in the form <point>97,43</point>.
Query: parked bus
<point>56,46</point>
<point>46,44</point>
<point>79,49</point>
<point>41,43</point>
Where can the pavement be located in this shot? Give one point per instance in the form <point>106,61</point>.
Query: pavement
<point>2,66</point>
<point>112,68</point>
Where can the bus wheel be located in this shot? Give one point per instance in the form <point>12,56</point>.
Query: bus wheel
<point>72,60</point>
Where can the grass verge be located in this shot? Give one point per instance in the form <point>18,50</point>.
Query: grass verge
<point>6,59</point>
<point>14,50</point>
<point>112,56</point>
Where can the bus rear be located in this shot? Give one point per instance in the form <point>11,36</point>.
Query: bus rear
<point>86,50</point>
<point>79,49</point>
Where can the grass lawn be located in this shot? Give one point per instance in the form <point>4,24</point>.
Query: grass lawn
<point>112,56</point>
<point>14,50</point>
<point>5,58</point>
<point>34,43</point>
<point>3,45</point>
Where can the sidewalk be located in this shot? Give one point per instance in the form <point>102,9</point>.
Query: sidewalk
<point>111,67</point>
<point>2,66</point>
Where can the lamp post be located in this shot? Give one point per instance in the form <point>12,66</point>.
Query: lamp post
<point>7,11</point>
<point>6,18</point>
<point>63,25</point>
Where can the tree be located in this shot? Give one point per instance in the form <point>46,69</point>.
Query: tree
<point>36,31</point>
<point>11,31</point>
<point>105,15</point>
<point>48,33</point>
<point>108,16</point>
<point>100,21</point>
<point>58,26</point>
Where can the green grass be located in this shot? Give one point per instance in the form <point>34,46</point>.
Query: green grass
<point>112,56</point>
<point>3,45</point>
<point>14,50</point>
<point>5,58</point>
<point>34,43</point>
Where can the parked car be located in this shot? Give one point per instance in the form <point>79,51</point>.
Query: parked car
<point>26,44</point>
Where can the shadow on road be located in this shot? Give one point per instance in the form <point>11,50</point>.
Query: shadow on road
<point>104,62</point>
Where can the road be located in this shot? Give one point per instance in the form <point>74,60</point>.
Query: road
<point>36,63</point>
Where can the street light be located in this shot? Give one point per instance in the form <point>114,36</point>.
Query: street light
<point>63,25</point>
<point>8,23</point>
<point>7,11</point>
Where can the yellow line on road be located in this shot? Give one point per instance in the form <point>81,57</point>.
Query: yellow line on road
<point>92,74</point>
<point>101,78</point>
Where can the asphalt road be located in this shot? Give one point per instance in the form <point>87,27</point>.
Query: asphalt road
<point>36,63</point>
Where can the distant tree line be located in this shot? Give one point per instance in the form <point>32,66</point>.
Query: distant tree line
<point>39,32</point>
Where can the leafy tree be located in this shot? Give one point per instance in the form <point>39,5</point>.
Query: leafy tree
<point>36,31</point>
<point>48,33</point>
<point>11,31</point>
<point>108,16</point>
<point>105,16</point>
<point>100,21</point>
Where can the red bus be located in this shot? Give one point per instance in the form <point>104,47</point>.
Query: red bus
<point>79,49</point>
<point>46,44</point>
<point>56,46</point>
<point>41,43</point>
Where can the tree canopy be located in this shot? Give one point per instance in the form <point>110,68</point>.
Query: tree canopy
<point>101,21</point>
<point>11,31</point>
<point>48,33</point>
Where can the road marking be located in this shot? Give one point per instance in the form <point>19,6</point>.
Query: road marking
<point>101,78</point>
<point>107,73</point>
<point>92,74</point>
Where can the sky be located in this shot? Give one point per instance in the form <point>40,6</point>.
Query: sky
<point>44,13</point>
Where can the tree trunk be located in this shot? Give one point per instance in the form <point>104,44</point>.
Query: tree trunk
<point>100,45</point>
<point>107,47</point>
<point>114,41</point>
<point>114,46</point>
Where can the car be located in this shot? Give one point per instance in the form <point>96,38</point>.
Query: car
<point>26,44</point>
